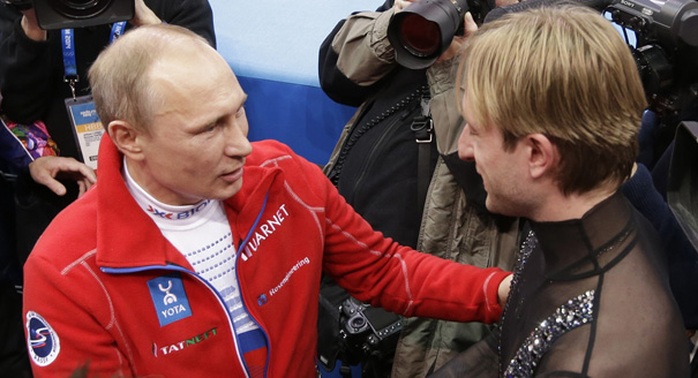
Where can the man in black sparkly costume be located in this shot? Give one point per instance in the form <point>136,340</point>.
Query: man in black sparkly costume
<point>552,101</point>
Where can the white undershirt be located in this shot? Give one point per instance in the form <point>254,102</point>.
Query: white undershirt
<point>202,233</point>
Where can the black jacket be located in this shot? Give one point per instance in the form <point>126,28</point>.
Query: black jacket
<point>377,173</point>
<point>32,72</point>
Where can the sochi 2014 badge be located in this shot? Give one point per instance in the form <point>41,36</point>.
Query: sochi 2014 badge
<point>42,340</point>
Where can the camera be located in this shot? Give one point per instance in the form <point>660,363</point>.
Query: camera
<point>663,36</point>
<point>365,327</point>
<point>63,14</point>
<point>424,29</point>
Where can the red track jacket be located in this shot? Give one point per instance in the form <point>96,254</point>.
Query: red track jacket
<point>104,287</point>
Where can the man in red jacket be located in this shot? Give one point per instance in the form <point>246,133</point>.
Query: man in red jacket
<point>199,253</point>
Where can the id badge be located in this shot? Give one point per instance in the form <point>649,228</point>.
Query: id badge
<point>86,127</point>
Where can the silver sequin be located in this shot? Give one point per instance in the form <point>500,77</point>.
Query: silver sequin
<point>576,312</point>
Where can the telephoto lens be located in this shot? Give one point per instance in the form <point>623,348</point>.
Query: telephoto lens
<point>424,29</point>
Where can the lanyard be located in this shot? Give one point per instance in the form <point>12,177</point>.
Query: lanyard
<point>70,66</point>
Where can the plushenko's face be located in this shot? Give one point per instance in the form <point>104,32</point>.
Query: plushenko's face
<point>503,171</point>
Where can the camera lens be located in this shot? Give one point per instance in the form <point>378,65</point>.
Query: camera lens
<point>80,4</point>
<point>420,36</point>
<point>423,30</point>
<point>79,9</point>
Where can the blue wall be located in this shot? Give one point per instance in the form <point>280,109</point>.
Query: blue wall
<point>273,48</point>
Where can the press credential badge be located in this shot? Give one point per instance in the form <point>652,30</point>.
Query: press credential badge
<point>87,127</point>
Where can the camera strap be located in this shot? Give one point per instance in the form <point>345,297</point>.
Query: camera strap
<point>70,67</point>
<point>82,113</point>
<point>423,128</point>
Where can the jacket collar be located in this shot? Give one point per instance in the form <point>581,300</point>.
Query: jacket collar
<point>128,238</point>
<point>589,244</point>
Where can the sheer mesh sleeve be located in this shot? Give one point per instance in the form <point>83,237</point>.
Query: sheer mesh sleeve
<point>590,298</point>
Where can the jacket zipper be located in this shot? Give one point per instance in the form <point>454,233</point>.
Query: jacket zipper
<point>221,302</point>
<point>177,268</point>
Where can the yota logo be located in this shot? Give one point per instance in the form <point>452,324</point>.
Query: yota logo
<point>169,298</point>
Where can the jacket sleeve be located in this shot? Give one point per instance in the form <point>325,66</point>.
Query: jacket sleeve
<point>26,70</point>
<point>444,104</point>
<point>356,55</point>
<point>377,270</point>
<point>195,15</point>
<point>69,322</point>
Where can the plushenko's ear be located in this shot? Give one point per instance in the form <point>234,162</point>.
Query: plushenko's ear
<point>542,154</point>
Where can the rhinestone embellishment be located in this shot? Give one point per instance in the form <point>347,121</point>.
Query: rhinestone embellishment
<point>576,312</point>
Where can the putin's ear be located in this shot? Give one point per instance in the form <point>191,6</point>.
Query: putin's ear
<point>126,138</point>
<point>542,155</point>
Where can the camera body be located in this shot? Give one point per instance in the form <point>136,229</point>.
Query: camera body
<point>665,50</point>
<point>62,14</point>
<point>364,328</point>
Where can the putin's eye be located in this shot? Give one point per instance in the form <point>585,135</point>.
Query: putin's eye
<point>240,112</point>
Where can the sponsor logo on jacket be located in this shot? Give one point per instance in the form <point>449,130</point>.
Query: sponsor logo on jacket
<point>288,275</point>
<point>181,345</point>
<point>44,344</point>
<point>264,230</point>
<point>170,299</point>
<point>180,215</point>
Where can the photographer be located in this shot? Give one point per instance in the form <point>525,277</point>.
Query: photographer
<point>375,165</point>
<point>34,88</point>
<point>384,173</point>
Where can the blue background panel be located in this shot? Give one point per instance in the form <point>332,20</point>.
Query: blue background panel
<point>301,116</point>
<point>272,46</point>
